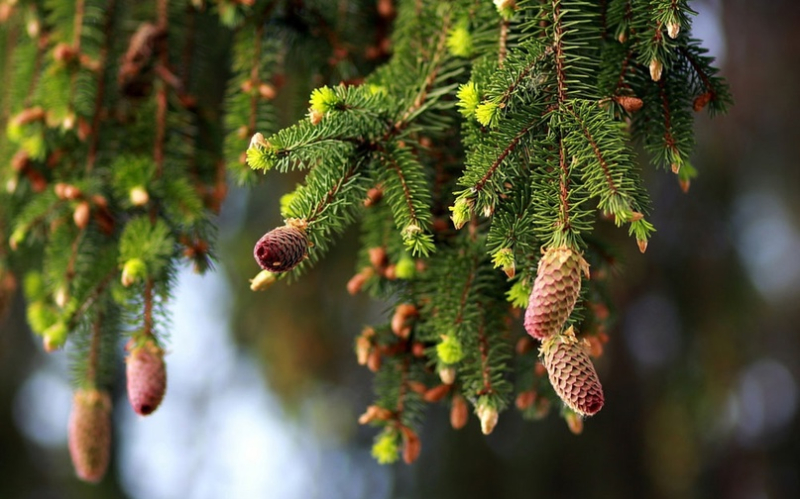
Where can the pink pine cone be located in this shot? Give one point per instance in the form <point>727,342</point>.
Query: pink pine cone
<point>572,373</point>
<point>147,377</point>
<point>89,434</point>
<point>281,249</point>
<point>555,291</point>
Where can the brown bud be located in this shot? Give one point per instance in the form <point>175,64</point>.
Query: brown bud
<point>28,115</point>
<point>402,314</point>
<point>675,167</point>
<point>374,195</point>
<point>64,52</point>
<point>685,184</point>
<point>21,161</point>
<point>363,348</point>
<point>524,345</point>
<point>377,257</point>
<point>84,129</point>
<point>390,272</point>
<point>356,282</point>
<point>630,103</point>
<point>436,393</point>
<point>459,412</point>
<point>417,387</point>
<point>72,192</point>
<point>417,349</point>
<point>82,214</point>
<point>702,101</point>
<point>525,399</point>
<point>266,91</point>
<point>374,413</point>
<point>147,377</point>
<point>642,243</point>
<point>374,360</point>
<point>89,434</point>
<point>411,445</point>
<point>246,86</point>
<point>386,9</point>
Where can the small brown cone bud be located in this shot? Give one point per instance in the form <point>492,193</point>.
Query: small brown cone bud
<point>524,345</point>
<point>374,360</point>
<point>377,257</point>
<point>436,393</point>
<point>402,313</point>
<point>281,249</point>
<point>459,412</point>
<point>266,91</point>
<point>555,291</point>
<point>374,195</point>
<point>147,377</point>
<point>701,101</point>
<point>417,387</point>
<point>656,68</point>
<point>82,214</point>
<point>363,347</point>
<point>685,184</point>
<point>374,413</point>
<point>629,103</point>
<point>642,243</point>
<point>418,349</point>
<point>411,445</point>
<point>572,373</point>
<point>675,167</point>
<point>356,282</point>
<point>89,434</point>
<point>525,399</point>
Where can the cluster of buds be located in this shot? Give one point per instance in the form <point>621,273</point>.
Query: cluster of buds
<point>86,207</point>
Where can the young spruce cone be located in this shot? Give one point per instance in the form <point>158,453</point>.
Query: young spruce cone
<point>147,377</point>
<point>572,373</point>
<point>90,433</point>
<point>281,249</point>
<point>555,291</point>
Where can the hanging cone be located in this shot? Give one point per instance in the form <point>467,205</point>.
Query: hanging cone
<point>281,249</point>
<point>555,291</point>
<point>572,373</point>
<point>147,377</point>
<point>89,433</point>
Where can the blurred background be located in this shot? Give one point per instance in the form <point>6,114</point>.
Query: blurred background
<point>701,373</point>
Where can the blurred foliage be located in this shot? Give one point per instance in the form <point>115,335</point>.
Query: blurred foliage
<point>696,417</point>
